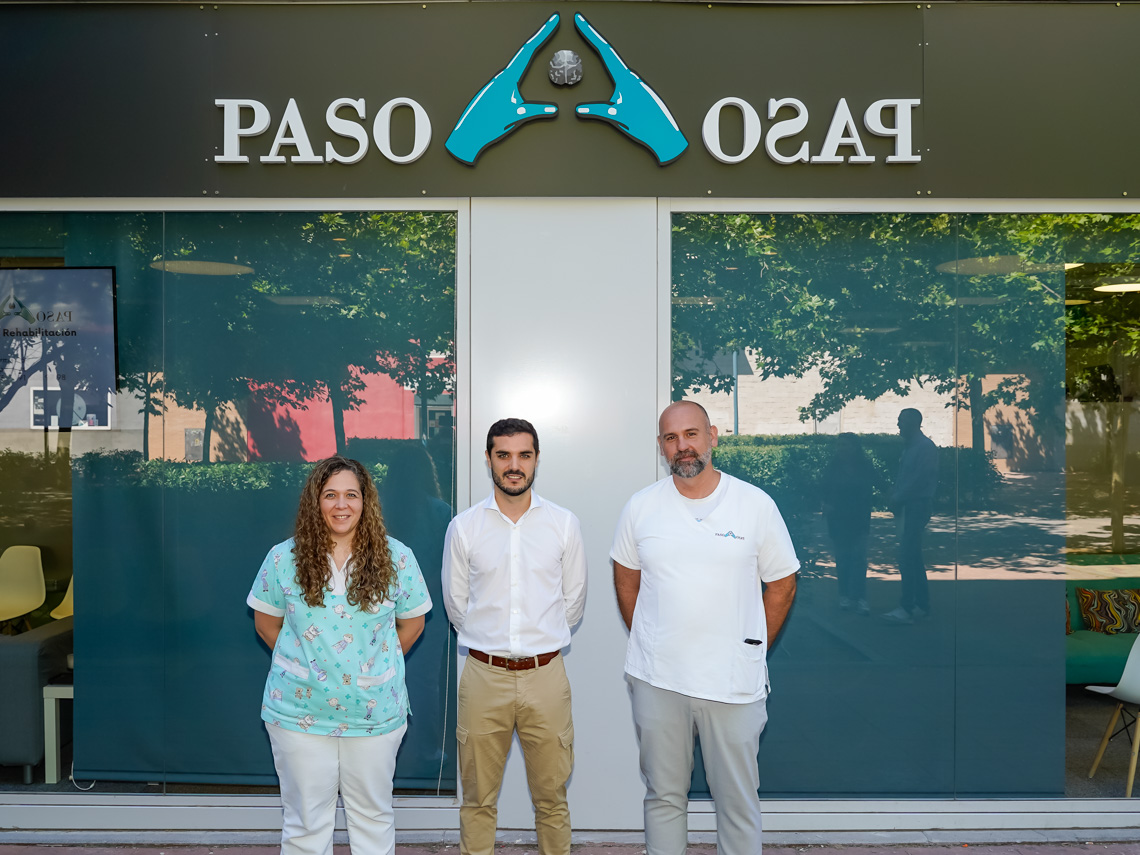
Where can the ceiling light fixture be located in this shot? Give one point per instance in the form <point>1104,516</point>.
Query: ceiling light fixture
<point>282,300</point>
<point>200,268</point>
<point>998,265</point>
<point>979,301</point>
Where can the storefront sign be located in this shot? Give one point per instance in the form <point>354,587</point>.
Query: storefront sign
<point>635,109</point>
<point>526,99</point>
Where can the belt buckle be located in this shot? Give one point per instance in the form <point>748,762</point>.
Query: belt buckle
<point>513,662</point>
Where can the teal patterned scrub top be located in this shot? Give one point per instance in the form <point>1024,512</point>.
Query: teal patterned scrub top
<point>337,669</point>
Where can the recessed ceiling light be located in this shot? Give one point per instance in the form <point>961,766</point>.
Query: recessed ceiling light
<point>1118,287</point>
<point>340,239</point>
<point>200,268</point>
<point>1077,302</point>
<point>282,300</point>
<point>996,265</point>
<point>696,301</point>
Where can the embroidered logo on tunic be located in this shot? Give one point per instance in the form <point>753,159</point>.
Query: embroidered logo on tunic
<point>728,534</point>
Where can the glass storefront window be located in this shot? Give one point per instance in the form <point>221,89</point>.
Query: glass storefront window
<point>925,655</point>
<point>160,450</point>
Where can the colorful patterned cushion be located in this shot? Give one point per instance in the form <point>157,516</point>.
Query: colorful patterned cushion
<point>1110,611</point>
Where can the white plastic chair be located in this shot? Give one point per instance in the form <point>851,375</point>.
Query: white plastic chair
<point>1127,691</point>
<point>66,607</point>
<point>22,588</point>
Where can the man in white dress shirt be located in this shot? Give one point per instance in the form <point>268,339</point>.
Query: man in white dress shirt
<point>514,582</point>
<point>691,555</point>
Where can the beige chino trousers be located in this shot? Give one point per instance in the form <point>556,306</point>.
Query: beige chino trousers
<point>493,704</point>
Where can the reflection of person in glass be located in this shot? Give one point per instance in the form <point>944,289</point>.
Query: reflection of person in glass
<point>912,502</point>
<point>338,603</point>
<point>847,487</point>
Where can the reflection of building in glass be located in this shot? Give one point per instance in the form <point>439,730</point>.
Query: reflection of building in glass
<point>772,405</point>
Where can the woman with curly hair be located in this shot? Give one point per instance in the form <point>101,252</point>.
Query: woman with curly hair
<point>339,604</point>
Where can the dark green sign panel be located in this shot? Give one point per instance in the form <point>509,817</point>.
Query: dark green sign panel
<point>591,99</point>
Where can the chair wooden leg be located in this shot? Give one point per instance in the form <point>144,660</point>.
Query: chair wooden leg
<point>1132,762</point>
<point>1104,741</point>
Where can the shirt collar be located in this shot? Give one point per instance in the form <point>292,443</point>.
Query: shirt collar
<point>490,504</point>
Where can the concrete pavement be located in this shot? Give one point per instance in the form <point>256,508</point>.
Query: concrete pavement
<point>1071,848</point>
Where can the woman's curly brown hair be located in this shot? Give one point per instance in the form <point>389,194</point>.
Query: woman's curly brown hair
<point>371,574</point>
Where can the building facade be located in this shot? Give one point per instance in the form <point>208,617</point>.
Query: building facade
<point>237,238</point>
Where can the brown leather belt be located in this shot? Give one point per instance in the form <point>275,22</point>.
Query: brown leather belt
<point>522,663</point>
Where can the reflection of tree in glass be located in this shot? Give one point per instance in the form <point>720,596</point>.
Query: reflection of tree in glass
<point>874,303</point>
<point>333,297</point>
<point>359,293</point>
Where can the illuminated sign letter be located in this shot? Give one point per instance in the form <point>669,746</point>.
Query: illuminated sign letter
<point>382,130</point>
<point>347,129</point>
<point>842,131</point>
<point>786,128</point>
<point>232,131</point>
<point>903,107</point>
<point>710,130</point>
<point>292,132</point>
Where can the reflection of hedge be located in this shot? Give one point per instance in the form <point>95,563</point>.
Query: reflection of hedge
<point>789,468</point>
<point>127,468</point>
<point>23,472</point>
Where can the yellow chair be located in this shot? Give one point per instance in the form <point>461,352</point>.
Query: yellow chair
<point>66,607</point>
<point>22,588</point>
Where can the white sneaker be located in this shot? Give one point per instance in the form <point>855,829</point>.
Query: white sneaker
<point>862,608</point>
<point>844,603</point>
<point>919,614</point>
<point>898,616</point>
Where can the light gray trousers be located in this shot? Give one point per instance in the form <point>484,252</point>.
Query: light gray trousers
<point>666,723</point>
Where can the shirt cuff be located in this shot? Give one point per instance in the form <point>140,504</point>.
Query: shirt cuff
<point>263,607</point>
<point>421,609</point>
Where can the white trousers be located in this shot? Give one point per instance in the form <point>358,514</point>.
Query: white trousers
<point>312,769</point>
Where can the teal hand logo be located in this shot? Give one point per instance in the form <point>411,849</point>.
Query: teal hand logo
<point>634,108</point>
<point>499,109</point>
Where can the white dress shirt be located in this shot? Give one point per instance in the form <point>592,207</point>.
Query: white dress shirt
<point>514,589</point>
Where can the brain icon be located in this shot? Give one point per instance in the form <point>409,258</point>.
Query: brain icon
<point>565,68</point>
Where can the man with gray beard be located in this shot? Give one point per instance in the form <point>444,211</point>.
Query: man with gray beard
<point>705,574</point>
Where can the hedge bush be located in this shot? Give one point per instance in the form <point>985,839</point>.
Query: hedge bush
<point>789,469</point>
<point>127,468</point>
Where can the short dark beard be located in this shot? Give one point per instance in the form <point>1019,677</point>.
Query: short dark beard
<point>511,491</point>
<point>690,468</point>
